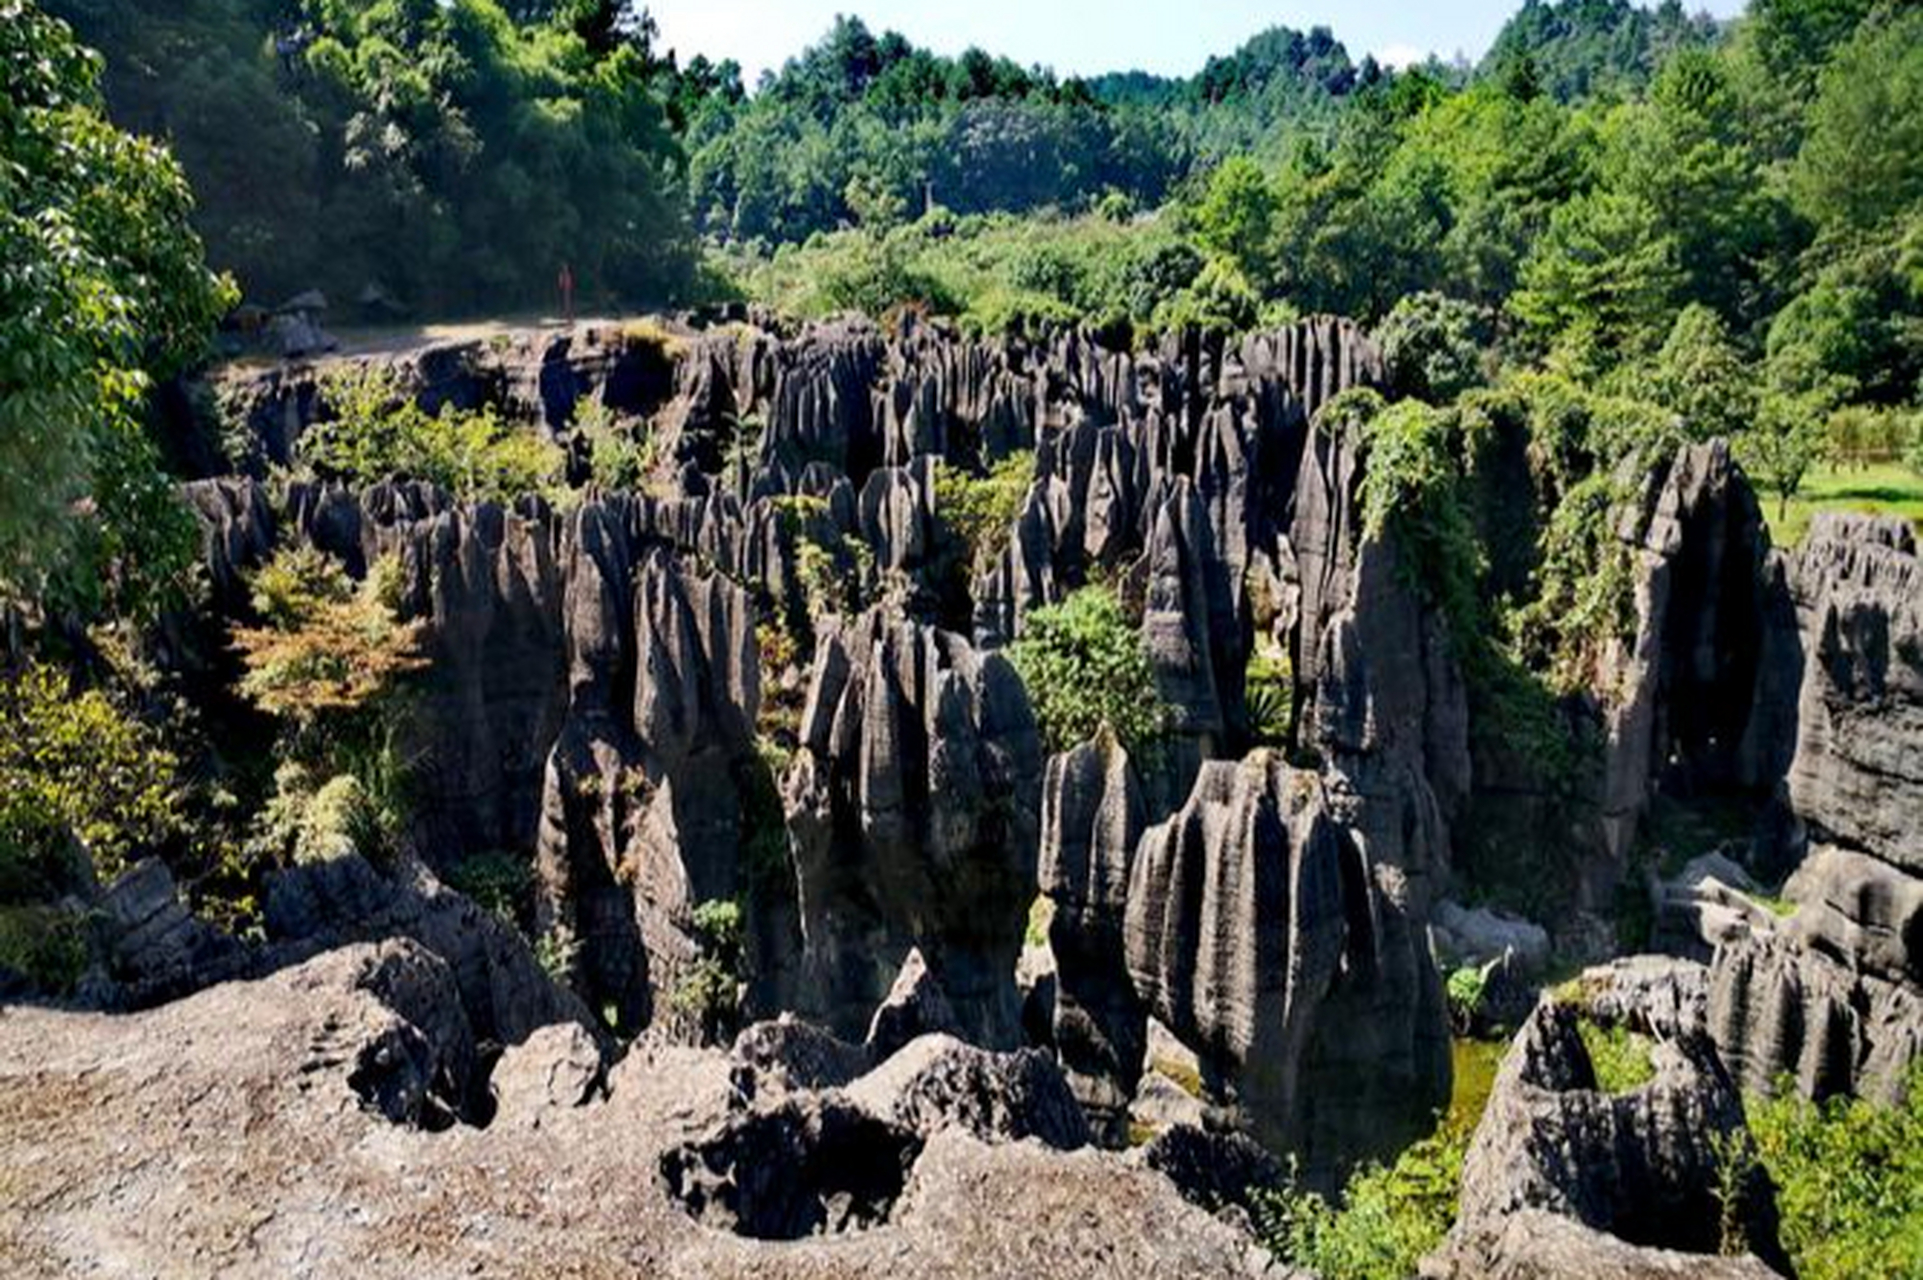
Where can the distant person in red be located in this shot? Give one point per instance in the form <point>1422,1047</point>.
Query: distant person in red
<point>567,292</point>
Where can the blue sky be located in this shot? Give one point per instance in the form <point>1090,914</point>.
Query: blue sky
<point>1089,36</point>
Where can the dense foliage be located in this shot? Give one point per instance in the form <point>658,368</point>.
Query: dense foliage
<point>1849,1182</point>
<point>76,767</point>
<point>1086,670</point>
<point>101,287</point>
<point>444,156</point>
<point>376,430</point>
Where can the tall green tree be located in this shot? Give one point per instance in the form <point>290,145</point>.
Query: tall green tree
<point>102,287</point>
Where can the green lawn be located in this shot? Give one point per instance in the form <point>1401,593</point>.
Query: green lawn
<point>1886,489</point>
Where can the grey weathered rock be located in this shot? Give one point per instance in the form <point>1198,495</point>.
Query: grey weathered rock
<point>1213,1170</point>
<point>912,814</point>
<point>557,1067</point>
<point>158,949</point>
<point>1534,1244</point>
<point>915,1006</point>
<point>1092,818</point>
<point>253,1082</point>
<point>1861,907</point>
<point>938,1082</point>
<point>812,1164</point>
<point>1857,778</point>
<point>503,993</point>
<point>1710,902</point>
<point>1779,1007</point>
<point>1659,995</point>
<point>1477,935</point>
<point>1257,932</point>
<point>1684,685</point>
<point>799,1055</point>
<point>1160,1104</point>
<point>1640,1167</point>
<point>644,810</point>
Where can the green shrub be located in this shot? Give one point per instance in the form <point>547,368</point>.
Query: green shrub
<point>1390,1216</point>
<point>621,454</point>
<point>1849,1181</point>
<point>498,882</point>
<point>45,945</point>
<point>981,510</point>
<point>79,765</point>
<point>1620,1057</point>
<point>1270,684</point>
<point>1464,990</point>
<point>711,990</point>
<point>1085,668</point>
<point>377,431</point>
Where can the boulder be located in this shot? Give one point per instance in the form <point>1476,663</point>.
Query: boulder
<point>1477,935</point>
<point>793,1054</point>
<point>938,1081</point>
<point>557,1067</point>
<point>915,1006</point>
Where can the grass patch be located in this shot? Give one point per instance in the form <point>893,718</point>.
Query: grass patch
<point>1622,1058</point>
<point>1882,489</point>
<point>1476,1063</point>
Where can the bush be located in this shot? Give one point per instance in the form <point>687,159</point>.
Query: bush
<point>981,510</point>
<point>1085,668</point>
<point>1464,990</point>
<point>76,766</point>
<point>497,882</point>
<point>1849,1181</point>
<point>711,991</point>
<point>1390,1216</point>
<point>621,453</point>
<point>377,431</point>
<point>330,648</point>
<point>45,945</point>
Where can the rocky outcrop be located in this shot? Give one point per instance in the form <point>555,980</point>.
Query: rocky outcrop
<point>1257,931</point>
<point>644,817</point>
<point>157,949</point>
<point>1834,996</point>
<point>915,1006</point>
<point>1680,695</point>
<point>1638,1169</point>
<point>296,1104</point>
<point>912,805</point>
<point>1857,777</point>
<point>503,993</point>
<point>1092,818</point>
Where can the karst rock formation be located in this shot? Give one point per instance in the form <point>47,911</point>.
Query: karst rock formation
<point>774,676</point>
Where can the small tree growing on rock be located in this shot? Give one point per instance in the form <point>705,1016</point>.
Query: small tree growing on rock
<point>1085,667</point>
